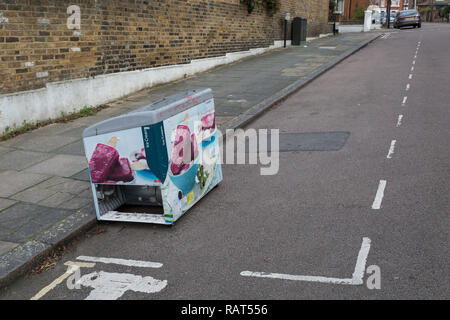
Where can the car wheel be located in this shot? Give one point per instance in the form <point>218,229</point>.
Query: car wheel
<point>419,25</point>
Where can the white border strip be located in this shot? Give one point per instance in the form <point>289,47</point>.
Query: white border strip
<point>123,262</point>
<point>357,277</point>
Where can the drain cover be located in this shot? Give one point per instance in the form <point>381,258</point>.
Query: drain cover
<point>313,141</point>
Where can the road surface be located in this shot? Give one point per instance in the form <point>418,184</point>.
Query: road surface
<point>329,223</point>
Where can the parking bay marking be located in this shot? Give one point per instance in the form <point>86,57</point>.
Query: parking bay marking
<point>108,286</point>
<point>72,268</point>
<point>123,262</point>
<point>356,279</point>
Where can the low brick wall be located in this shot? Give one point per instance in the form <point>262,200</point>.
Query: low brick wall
<point>37,47</point>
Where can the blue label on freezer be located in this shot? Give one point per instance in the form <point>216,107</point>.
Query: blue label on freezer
<point>156,150</point>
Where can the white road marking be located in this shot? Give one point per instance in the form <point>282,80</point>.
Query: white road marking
<point>415,57</point>
<point>410,76</point>
<point>399,121</point>
<point>123,262</point>
<point>404,100</point>
<point>414,62</point>
<point>408,86</point>
<point>357,277</point>
<point>72,268</point>
<point>391,149</point>
<point>412,69</point>
<point>282,276</point>
<point>360,267</point>
<point>111,286</point>
<point>379,196</point>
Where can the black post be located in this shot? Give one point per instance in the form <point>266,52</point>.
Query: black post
<point>285,32</point>
<point>388,14</point>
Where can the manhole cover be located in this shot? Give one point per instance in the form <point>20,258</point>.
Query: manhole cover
<point>313,141</point>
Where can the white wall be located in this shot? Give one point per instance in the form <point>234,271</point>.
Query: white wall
<point>70,96</point>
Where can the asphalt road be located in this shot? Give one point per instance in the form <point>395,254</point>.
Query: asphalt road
<point>311,218</point>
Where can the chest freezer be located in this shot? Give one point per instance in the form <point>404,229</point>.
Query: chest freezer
<point>153,164</point>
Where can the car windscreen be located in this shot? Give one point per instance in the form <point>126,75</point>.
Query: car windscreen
<point>408,12</point>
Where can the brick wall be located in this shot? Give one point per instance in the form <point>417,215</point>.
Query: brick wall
<point>37,47</point>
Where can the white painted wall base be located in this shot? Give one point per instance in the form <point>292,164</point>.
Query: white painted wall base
<point>72,95</point>
<point>351,28</point>
<point>322,35</point>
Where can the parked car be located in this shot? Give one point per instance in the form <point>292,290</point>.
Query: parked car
<point>383,18</point>
<point>407,18</point>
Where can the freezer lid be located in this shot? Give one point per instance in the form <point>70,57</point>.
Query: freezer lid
<point>152,113</point>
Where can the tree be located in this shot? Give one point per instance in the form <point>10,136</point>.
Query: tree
<point>445,12</point>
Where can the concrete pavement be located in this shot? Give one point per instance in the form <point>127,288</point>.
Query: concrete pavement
<point>45,198</point>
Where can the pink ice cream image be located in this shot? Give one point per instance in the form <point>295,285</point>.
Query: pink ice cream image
<point>102,161</point>
<point>122,171</point>
<point>106,167</point>
<point>194,147</point>
<point>209,121</point>
<point>139,155</point>
<point>184,142</point>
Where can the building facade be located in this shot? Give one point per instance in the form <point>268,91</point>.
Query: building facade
<point>345,9</point>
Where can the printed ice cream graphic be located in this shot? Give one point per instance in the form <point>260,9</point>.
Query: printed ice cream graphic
<point>209,121</point>
<point>208,126</point>
<point>185,150</point>
<point>183,166</point>
<point>105,165</point>
<point>122,171</point>
<point>102,161</point>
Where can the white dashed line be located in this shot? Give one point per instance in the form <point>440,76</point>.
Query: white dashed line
<point>391,149</point>
<point>408,86</point>
<point>410,76</point>
<point>412,69</point>
<point>404,100</point>
<point>399,121</point>
<point>379,196</point>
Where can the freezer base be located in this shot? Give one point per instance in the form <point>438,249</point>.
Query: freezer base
<point>134,217</point>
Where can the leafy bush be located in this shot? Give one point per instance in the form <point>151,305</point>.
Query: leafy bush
<point>358,14</point>
<point>272,6</point>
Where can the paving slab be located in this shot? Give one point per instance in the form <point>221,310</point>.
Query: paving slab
<point>57,199</point>
<point>46,143</point>
<point>34,194</point>
<point>4,150</point>
<point>41,143</point>
<point>59,184</point>
<point>75,148</point>
<point>24,221</point>
<point>13,181</point>
<point>82,175</point>
<point>5,203</point>
<point>60,165</point>
<point>21,159</point>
